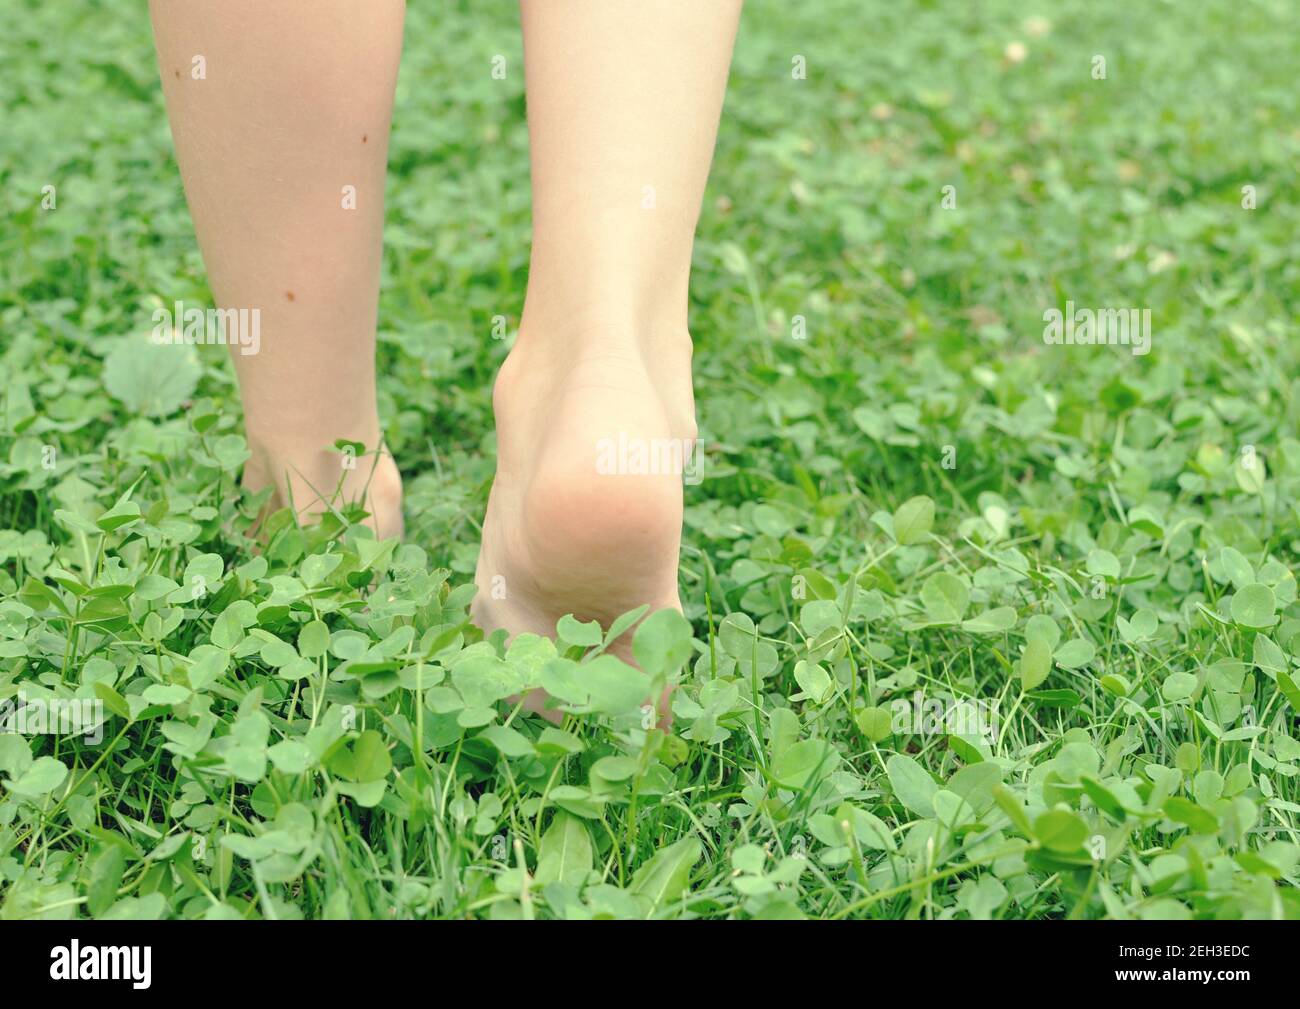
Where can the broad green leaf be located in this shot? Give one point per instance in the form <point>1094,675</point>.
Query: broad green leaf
<point>1040,625</point>
<point>482,680</point>
<point>572,631</point>
<point>313,639</point>
<point>661,643</point>
<point>945,597</point>
<point>105,877</point>
<point>511,742</point>
<point>1254,606</point>
<point>121,514</point>
<point>613,687</point>
<point>666,876</point>
<point>1201,821</point>
<point>151,379</point>
<point>1014,808</point>
<point>364,760</point>
<point>1251,473</point>
<point>565,852</point>
<point>1075,653</point>
<point>803,764</point>
<point>1104,563</point>
<point>1061,830</point>
<point>1143,624</point>
<point>1035,663</point>
<point>912,784</point>
<point>1001,618</point>
<point>1236,567</point>
<point>876,723</point>
<point>913,520</point>
<point>818,615</point>
<point>736,635</point>
<point>814,681</point>
<point>1103,797</point>
<point>1178,686</point>
<point>42,777</point>
<point>316,568</point>
<point>1290,690</point>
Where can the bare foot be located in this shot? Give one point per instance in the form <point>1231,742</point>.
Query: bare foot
<point>311,480</point>
<point>585,514</point>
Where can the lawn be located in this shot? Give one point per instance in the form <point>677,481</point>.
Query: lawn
<point>978,624</point>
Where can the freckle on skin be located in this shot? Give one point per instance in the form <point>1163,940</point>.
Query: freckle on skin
<point>289,295</point>
<point>365,137</point>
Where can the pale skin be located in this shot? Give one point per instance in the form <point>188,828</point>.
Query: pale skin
<point>624,98</point>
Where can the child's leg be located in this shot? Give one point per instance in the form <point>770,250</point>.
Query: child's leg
<point>595,399</point>
<point>280,113</point>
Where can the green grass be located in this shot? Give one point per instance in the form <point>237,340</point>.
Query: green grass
<point>919,503</point>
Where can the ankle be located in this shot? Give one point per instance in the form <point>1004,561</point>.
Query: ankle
<point>317,477</point>
<point>557,345</point>
<point>562,321</point>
